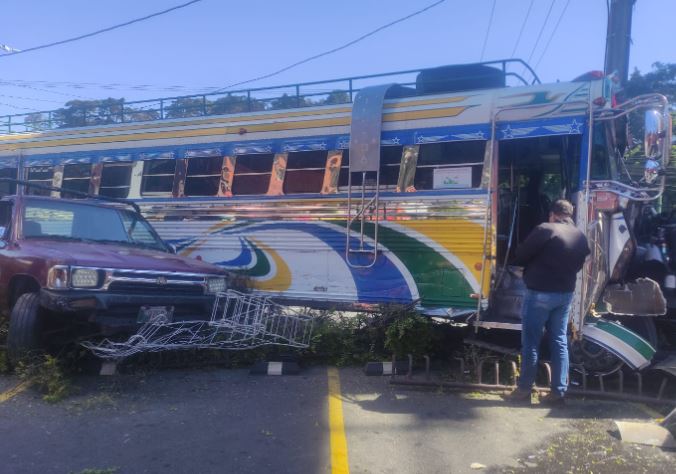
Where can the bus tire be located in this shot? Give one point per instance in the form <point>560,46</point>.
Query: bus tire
<point>24,338</point>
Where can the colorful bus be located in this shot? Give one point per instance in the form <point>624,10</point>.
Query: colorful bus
<point>410,188</point>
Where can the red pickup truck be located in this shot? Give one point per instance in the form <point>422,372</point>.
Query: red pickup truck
<point>78,268</point>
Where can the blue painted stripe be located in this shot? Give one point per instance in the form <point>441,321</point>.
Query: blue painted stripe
<point>299,143</point>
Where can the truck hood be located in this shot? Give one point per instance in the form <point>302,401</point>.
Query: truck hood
<point>114,256</point>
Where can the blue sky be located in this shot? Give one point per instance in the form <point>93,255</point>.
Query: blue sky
<point>216,42</point>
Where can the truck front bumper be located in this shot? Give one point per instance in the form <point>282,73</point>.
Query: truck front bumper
<point>119,310</point>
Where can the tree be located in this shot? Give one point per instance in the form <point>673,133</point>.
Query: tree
<point>186,107</point>
<point>81,113</point>
<point>234,104</point>
<point>661,79</point>
<point>336,97</point>
<point>287,101</point>
<point>36,122</point>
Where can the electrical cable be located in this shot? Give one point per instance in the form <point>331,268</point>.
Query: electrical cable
<point>558,22</point>
<point>488,30</point>
<point>30,98</point>
<point>98,32</point>
<point>334,50</point>
<point>11,106</point>
<point>537,41</point>
<point>107,86</point>
<point>523,27</point>
<point>50,92</point>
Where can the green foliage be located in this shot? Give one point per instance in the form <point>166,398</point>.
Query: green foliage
<point>661,79</point>
<point>335,97</point>
<point>347,339</point>
<point>46,374</point>
<point>186,107</point>
<point>355,338</point>
<point>409,334</point>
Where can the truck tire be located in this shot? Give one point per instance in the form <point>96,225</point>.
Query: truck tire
<point>25,328</point>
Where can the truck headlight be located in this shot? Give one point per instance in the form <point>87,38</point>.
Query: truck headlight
<point>215,285</point>
<point>84,278</point>
<point>57,277</point>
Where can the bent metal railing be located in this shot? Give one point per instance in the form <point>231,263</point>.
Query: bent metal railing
<point>84,113</point>
<point>238,322</point>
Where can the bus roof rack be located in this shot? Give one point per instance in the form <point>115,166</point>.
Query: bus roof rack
<point>289,96</point>
<point>28,184</point>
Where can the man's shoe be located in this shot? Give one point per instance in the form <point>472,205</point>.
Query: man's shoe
<point>519,396</point>
<point>553,400</point>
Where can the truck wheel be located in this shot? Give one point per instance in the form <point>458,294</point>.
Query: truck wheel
<point>25,328</point>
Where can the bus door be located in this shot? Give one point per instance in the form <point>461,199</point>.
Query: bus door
<point>531,173</point>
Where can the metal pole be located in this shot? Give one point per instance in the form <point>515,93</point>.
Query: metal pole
<point>618,40</point>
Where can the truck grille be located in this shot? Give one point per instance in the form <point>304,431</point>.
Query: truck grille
<point>137,288</point>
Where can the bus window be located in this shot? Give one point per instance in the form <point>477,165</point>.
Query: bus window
<point>42,175</point>
<point>115,179</point>
<point>252,174</point>
<point>76,177</point>
<point>305,172</point>
<point>158,176</point>
<point>600,156</point>
<point>6,187</point>
<point>390,161</point>
<point>203,176</point>
<point>450,165</point>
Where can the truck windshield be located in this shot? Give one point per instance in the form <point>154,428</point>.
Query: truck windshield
<point>82,222</point>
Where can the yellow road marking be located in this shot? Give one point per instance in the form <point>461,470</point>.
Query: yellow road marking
<point>13,392</point>
<point>657,416</point>
<point>339,463</point>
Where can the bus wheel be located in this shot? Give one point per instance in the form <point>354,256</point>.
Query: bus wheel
<point>595,359</point>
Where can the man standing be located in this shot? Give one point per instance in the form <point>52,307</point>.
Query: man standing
<point>552,255</point>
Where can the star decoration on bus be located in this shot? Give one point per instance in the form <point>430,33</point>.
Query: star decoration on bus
<point>574,127</point>
<point>507,132</point>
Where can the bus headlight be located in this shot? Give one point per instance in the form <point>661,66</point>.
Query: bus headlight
<point>215,285</point>
<point>84,278</point>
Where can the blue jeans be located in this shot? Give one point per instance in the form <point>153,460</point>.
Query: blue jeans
<point>542,310</point>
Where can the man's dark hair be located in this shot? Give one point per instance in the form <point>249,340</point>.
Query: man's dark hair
<point>561,207</point>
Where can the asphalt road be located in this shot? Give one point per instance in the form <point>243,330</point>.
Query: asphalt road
<point>227,421</point>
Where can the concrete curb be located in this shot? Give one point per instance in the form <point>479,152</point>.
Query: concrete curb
<point>275,368</point>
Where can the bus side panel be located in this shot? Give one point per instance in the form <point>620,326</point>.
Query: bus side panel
<point>429,249</point>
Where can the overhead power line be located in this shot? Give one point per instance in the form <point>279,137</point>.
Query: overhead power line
<point>31,99</point>
<point>98,32</point>
<point>558,22</point>
<point>334,50</point>
<point>11,106</point>
<point>523,27</point>
<point>108,86</point>
<point>537,41</point>
<point>488,30</point>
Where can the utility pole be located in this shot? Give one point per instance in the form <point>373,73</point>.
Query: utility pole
<point>618,39</point>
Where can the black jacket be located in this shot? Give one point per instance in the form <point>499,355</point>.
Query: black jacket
<point>552,255</point>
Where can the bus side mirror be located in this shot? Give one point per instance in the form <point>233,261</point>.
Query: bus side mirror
<point>654,135</point>
<point>651,170</point>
